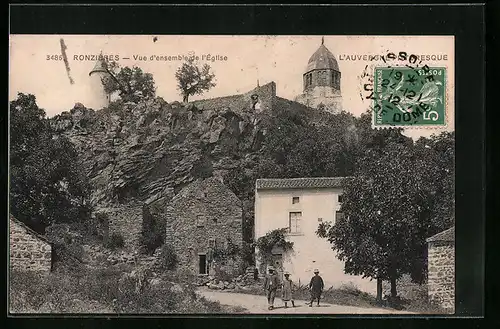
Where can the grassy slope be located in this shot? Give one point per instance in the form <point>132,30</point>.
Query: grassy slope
<point>103,291</point>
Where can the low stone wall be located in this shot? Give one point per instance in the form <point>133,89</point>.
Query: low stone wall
<point>28,251</point>
<point>441,274</point>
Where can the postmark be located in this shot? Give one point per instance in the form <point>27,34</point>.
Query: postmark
<point>409,97</point>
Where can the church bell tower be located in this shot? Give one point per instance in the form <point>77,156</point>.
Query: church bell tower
<point>321,81</point>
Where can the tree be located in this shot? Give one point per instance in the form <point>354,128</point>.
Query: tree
<point>193,80</point>
<point>46,183</point>
<point>298,147</point>
<point>400,195</point>
<point>132,83</point>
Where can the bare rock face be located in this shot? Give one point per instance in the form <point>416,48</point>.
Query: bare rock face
<point>143,151</point>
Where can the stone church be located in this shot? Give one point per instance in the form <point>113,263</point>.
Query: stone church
<point>321,81</point>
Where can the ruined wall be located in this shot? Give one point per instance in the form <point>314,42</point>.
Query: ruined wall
<point>441,273</point>
<point>125,220</point>
<point>202,211</point>
<point>28,251</point>
<point>237,103</point>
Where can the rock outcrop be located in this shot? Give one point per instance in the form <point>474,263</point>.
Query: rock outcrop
<point>143,151</point>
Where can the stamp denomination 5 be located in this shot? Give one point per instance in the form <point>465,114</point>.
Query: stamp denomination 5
<point>409,97</point>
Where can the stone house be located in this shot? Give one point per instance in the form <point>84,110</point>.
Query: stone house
<point>441,269</point>
<point>203,217</point>
<point>125,220</point>
<point>301,204</point>
<point>28,250</point>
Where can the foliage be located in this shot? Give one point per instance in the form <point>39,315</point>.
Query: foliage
<point>47,184</point>
<point>247,254</point>
<point>193,79</point>
<point>102,291</point>
<point>169,258</point>
<point>400,195</point>
<point>115,241</point>
<point>132,83</point>
<point>273,239</point>
<point>225,251</point>
<point>153,233</point>
<point>99,226</point>
<point>298,146</point>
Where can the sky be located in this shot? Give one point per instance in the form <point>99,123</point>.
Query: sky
<point>35,64</point>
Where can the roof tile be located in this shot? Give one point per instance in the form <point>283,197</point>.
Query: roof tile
<point>290,183</point>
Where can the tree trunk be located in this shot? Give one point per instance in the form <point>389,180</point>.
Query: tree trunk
<point>379,290</point>
<point>394,292</point>
<point>185,98</point>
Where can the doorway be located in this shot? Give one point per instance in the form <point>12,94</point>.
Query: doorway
<point>203,269</point>
<point>277,262</point>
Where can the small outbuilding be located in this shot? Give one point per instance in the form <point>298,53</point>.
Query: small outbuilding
<point>441,269</point>
<point>28,250</point>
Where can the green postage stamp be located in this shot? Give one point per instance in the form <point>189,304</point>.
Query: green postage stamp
<point>409,97</point>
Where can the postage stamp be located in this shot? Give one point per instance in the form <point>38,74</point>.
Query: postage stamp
<point>405,96</point>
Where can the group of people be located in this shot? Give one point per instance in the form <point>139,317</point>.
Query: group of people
<point>271,285</point>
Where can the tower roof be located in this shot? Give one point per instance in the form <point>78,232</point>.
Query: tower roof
<point>100,67</point>
<point>322,59</point>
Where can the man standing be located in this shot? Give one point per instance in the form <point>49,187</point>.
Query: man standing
<point>270,286</point>
<point>316,286</point>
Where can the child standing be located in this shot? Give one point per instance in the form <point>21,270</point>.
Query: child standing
<point>288,290</point>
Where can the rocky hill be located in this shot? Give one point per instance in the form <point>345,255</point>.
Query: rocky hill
<point>143,151</point>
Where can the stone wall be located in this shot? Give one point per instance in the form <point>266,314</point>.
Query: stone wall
<point>125,220</point>
<point>441,274</point>
<point>202,211</point>
<point>28,250</point>
<point>329,97</point>
<point>237,103</point>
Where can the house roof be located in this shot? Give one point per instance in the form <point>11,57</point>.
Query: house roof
<point>291,183</point>
<point>447,235</point>
<point>30,231</point>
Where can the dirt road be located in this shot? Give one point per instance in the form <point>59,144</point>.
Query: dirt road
<point>258,305</point>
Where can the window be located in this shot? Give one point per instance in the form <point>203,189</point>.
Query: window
<point>200,220</point>
<point>320,219</point>
<point>340,198</point>
<point>294,222</point>
<point>308,79</point>
<point>295,200</point>
<point>338,216</point>
<point>323,77</point>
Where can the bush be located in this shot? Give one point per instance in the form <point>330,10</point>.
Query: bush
<point>115,241</point>
<point>273,239</point>
<point>169,258</point>
<point>103,291</point>
<point>153,233</point>
<point>222,275</point>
